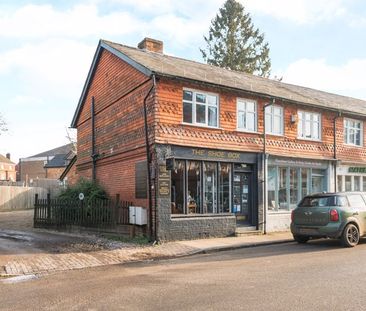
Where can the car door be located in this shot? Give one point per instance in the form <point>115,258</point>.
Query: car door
<point>358,210</point>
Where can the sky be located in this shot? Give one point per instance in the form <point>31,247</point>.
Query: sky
<point>47,48</point>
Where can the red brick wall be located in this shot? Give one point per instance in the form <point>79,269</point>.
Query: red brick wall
<point>119,91</point>
<point>55,172</point>
<point>169,128</point>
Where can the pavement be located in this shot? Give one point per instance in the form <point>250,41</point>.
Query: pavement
<point>79,252</point>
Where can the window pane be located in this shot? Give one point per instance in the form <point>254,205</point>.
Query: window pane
<point>271,188</point>
<point>200,98</point>
<point>187,95</point>
<point>364,184</point>
<point>177,188</point>
<point>250,121</point>
<point>251,106</point>
<point>225,187</point>
<point>193,186</point>
<point>356,183</point>
<point>304,182</point>
<point>268,123</point>
<point>339,183</point>
<point>209,186</point>
<point>277,125</point>
<point>282,195</point>
<point>348,184</point>
<point>277,111</point>
<point>358,137</point>
<point>316,130</point>
<point>300,131</point>
<point>307,129</point>
<point>293,187</point>
<point>241,120</point>
<point>212,116</point>
<point>187,112</point>
<point>201,114</point>
<point>212,100</point>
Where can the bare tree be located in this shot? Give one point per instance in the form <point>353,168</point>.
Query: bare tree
<point>70,135</point>
<point>3,125</point>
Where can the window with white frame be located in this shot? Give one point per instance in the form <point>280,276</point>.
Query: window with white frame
<point>274,119</point>
<point>309,125</point>
<point>200,108</point>
<point>247,115</point>
<point>353,132</point>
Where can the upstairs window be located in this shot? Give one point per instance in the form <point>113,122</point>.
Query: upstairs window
<point>247,115</point>
<point>353,132</point>
<point>274,120</point>
<point>309,125</point>
<point>200,108</point>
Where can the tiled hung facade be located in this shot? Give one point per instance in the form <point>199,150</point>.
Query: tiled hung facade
<point>119,90</point>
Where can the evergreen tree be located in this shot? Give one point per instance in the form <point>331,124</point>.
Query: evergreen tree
<point>234,43</point>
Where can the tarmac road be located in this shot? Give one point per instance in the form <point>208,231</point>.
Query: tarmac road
<point>320,275</point>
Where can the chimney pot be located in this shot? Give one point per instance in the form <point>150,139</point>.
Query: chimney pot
<point>151,45</point>
<point>8,155</point>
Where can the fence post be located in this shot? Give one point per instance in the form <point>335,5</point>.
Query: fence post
<point>48,208</point>
<point>116,211</point>
<point>35,210</point>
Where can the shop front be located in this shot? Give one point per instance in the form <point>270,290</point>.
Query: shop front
<point>212,191</point>
<point>351,177</point>
<point>288,181</point>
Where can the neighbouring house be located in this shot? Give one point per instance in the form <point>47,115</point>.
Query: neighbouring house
<point>210,151</point>
<point>69,176</point>
<point>46,165</point>
<point>7,168</point>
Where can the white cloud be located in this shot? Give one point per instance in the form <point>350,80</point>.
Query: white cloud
<point>298,11</point>
<point>347,79</point>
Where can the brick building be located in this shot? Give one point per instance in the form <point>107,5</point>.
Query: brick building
<point>186,140</point>
<point>46,165</point>
<point>7,168</point>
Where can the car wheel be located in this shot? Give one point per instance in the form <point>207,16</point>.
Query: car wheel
<point>301,239</point>
<point>350,236</point>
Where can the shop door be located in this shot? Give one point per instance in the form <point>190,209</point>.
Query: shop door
<point>242,198</point>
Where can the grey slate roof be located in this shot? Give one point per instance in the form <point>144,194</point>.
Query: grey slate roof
<point>177,67</point>
<point>59,160</point>
<point>65,149</point>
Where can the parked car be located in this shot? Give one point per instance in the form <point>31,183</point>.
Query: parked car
<point>339,215</point>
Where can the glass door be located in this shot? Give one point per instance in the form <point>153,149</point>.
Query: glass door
<point>242,198</point>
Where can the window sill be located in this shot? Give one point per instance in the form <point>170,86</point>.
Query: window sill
<point>247,131</point>
<point>353,146</point>
<point>310,139</point>
<point>201,126</point>
<point>272,134</point>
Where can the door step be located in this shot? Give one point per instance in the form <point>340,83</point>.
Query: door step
<point>243,231</point>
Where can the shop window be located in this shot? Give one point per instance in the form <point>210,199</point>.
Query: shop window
<point>348,183</point>
<point>274,119</point>
<point>352,132</point>
<point>177,187</point>
<point>364,184</point>
<point>193,186</point>
<point>356,183</point>
<point>225,187</point>
<point>271,188</point>
<point>304,182</point>
<point>200,108</point>
<point>209,186</point>
<point>309,125</point>
<point>294,187</point>
<point>317,181</point>
<point>339,183</point>
<point>247,115</point>
<point>282,191</point>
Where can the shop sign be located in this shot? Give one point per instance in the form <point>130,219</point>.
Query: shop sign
<point>208,154</point>
<point>297,163</point>
<point>357,170</point>
<point>164,181</point>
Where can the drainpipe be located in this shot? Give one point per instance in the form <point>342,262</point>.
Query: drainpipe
<point>94,155</point>
<point>265,203</point>
<point>335,149</point>
<point>148,156</point>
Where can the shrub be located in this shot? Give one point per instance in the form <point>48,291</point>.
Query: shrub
<point>91,190</point>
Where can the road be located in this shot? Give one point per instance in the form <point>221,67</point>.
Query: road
<point>318,276</point>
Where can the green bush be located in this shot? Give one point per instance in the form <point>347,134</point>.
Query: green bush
<point>91,190</point>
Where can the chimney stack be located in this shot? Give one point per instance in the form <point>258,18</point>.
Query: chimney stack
<point>8,155</point>
<point>151,45</point>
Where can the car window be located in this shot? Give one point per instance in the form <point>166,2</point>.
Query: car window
<point>356,200</point>
<point>342,201</point>
<point>317,201</point>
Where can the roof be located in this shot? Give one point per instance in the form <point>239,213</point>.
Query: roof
<point>150,63</point>
<point>65,149</point>
<point>68,168</point>
<point>59,160</point>
<point>5,160</point>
